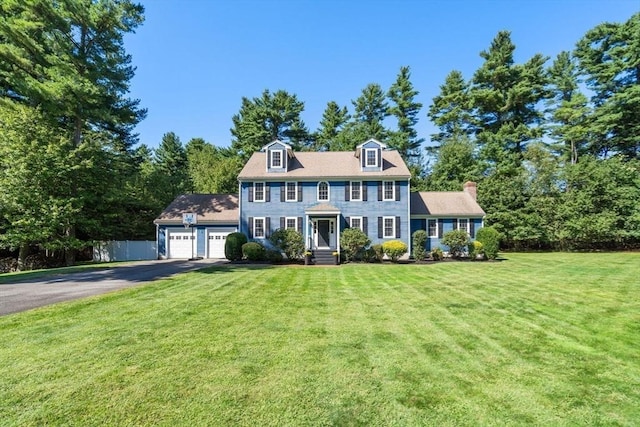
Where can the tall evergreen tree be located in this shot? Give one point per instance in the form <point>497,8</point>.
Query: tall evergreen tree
<point>172,167</point>
<point>451,110</point>
<point>371,109</point>
<point>334,120</point>
<point>267,118</point>
<point>608,57</point>
<point>213,169</point>
<point>455,163</point>
<point>569,111</point>
<point>506,96</point>
<point>405,109</point>
<point>67,57</point>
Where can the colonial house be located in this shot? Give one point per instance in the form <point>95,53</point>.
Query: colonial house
<point>319,194</point>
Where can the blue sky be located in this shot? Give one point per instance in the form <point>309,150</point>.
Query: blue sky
<point>196,59</point>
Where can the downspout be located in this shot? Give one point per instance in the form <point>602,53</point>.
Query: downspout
<point>409,215</point>
<point>239,225</point>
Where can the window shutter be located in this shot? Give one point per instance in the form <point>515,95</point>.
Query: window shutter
<point>300,224</point>
<point>250,227</point>
<point>398,227</point>
<point>455,223</point>
<point>380,230</point>
<point>282,191</point>
<point>267,192</point>
<point>348,219</point>
<point>347,191</point>
<point>440,227</point>
<point>365,227</point>
<point>472,228</point>
<point>379,191</point>
<point>363,187</point>
<point>251,192</point>
<point>363,158</point>
<point>379,158</point>
<point>267,227</point>
<point>397,192</point>
<point>282,222</point>
<point>299,185</point>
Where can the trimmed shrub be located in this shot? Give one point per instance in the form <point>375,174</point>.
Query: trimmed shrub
<point>289,241</point>
<point>394,249</point>
<point>233,246</point>
<point>273,256</point>
<point>490,239</point>
<point>353,241</point>
<point>253,251</point>
<point>378,253</point>
<point>475,250</point>
<point>437,254</point>
<point>457,240</point>
<point>419,245</point>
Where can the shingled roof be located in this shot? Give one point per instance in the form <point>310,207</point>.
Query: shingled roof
<point>209,208</point>
<point>444,203</point>
<point>325,165</point>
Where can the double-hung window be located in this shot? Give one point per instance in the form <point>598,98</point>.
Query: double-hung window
<point>371,157</point>
<point>291,192</point>
<point>258,228</point>
<point>356,222</point>
<point>291,222</point>
<point>323,191</point>
<point>276,159</point>
<point>463,224</point>
<point>389,227</point>
<point>388,190</point>
<point>432,227</point>
<point>356,190</point>
<point>258,192</point>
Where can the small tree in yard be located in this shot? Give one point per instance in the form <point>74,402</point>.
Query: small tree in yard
<point>457,240</point>
<point>289,241</point>
<point>419,243</point>
<point>490,239</point>
<point>394,249</point>
<point>352,241</point>
<point>233,246</point>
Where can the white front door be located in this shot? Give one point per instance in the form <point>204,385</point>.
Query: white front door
<point>324,233</point>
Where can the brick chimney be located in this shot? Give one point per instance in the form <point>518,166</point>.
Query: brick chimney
<point>470,188</point>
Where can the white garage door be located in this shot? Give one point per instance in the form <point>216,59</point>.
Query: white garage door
<point>216,241</point>
<point>182,244</point>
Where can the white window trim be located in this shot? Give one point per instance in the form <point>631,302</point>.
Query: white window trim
<point>264,192</point>
<point>351,222</point>
<point>286,192</point>
<point>393,191</point>
<point>286,221</point>
<point>264,225</point>
<point>271,165</point>
<point>435,236</point>
<point>351,191</point>
<point>366,157</point>
<point>384,228</point>
<point>465,228</point>
<point>318,192</point>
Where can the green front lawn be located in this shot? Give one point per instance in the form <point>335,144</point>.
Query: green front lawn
<point>538,339</point>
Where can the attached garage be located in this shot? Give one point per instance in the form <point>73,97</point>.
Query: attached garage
<point>216,215</point>
<point>181,244</point>
<point>215,243</point>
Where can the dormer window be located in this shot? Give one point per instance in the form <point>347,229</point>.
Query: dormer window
<point>276,159</point>
<point>371,157</point>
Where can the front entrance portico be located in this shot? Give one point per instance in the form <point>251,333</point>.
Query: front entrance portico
<point>322,230</point>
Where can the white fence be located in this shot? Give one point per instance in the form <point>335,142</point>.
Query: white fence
<point>125,250</point>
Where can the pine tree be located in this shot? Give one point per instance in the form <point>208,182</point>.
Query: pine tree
<point>265,119</point>
<point>371,109</point>
<point>609,59</point>
<point>334,120</point>
<point>405,109</point>
<point>451,110</point>
<point>172,168</point>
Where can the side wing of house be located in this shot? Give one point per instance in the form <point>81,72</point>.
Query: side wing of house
<point>440,212</point>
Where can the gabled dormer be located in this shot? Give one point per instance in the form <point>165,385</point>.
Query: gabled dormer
<point>370,155</point>
<point>278,155</point>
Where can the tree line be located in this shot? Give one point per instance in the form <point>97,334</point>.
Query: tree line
<point>554,145</point>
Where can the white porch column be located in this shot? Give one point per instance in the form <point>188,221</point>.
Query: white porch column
<point>338,234</point>
<point>306,232</point>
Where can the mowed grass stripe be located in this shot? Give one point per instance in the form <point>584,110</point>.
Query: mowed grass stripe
<point>538,339</point>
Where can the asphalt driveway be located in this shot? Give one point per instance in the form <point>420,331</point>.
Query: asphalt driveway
<point>25,295</point>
